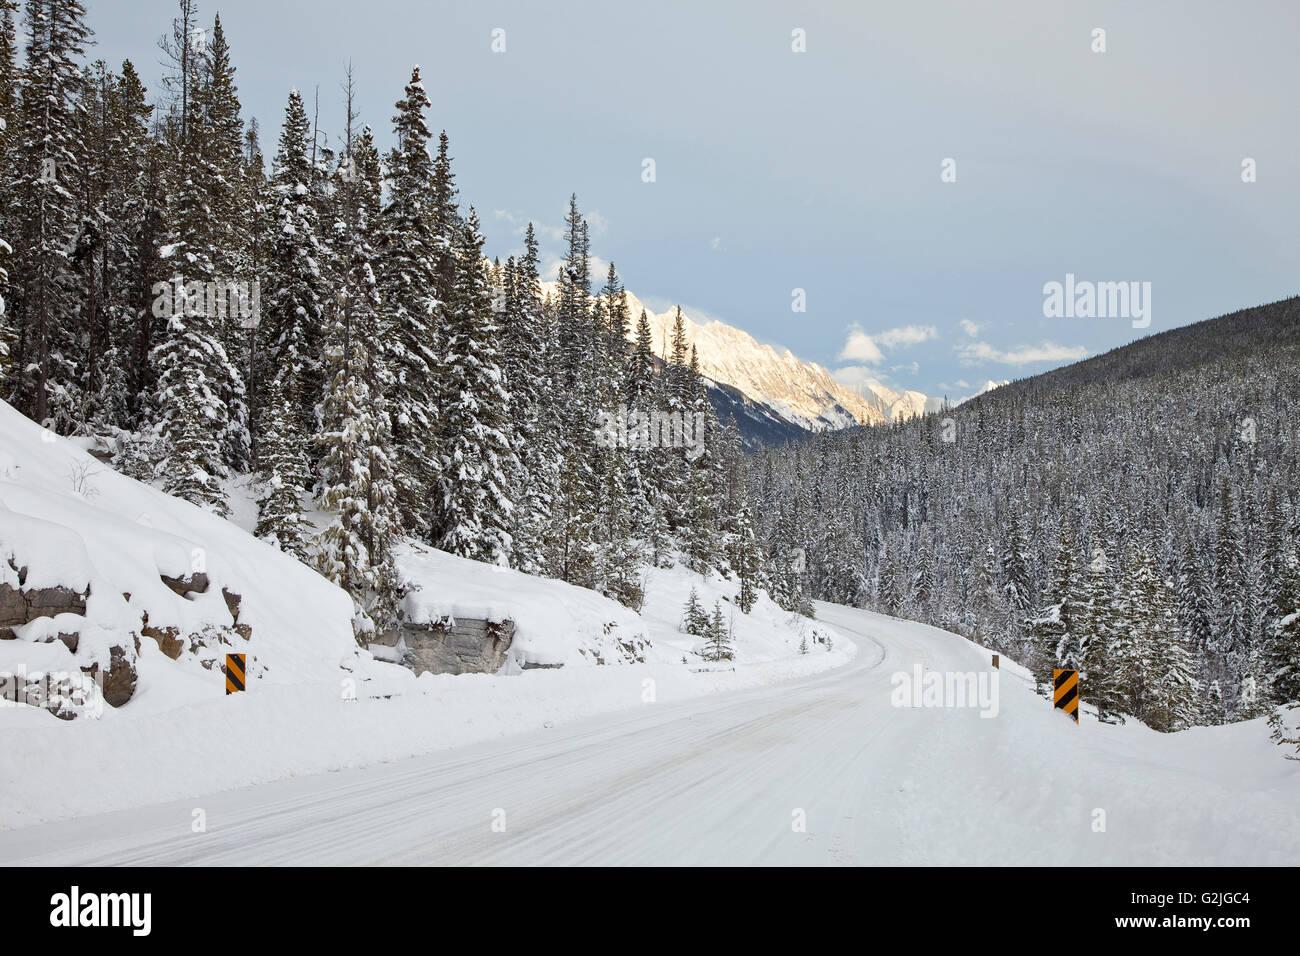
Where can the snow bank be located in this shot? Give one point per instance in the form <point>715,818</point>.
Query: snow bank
<point>766,633</point>
<point>72,521</point>
<point>556,624</point>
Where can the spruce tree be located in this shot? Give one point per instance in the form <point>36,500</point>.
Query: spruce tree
<point>717,636</point>
<point>9,125</point>
<point>1172,693</point>
<point>228,214</point>
<point>574,518</point>
<point>1016,584</point>
<point>200,390</point>
<point>411,249</point>
<point>694,618</point>
<point>476,441</point>
<point>528,351</point>
<point>293,314</point>
<point>1054,631</point>
<point>48,172</point>
<point>1148,627</point>
<point>356,549</point>
<point>747,561</point>
<point>889,596</point>
<point>1231,638</point>
<point>188,449</point>
<point>283,470</point>
<point>1101,682</point>
<point>1282,649</point>
<point>618,553</point>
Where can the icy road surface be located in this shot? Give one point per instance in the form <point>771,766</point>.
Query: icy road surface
<point>819,771</point>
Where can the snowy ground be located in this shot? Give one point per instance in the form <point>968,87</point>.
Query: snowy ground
<point>315,702</point>
<point>727,779</point>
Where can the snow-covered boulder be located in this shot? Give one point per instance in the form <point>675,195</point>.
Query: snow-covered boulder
<point>554,624</point>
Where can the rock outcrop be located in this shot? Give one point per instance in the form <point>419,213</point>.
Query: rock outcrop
<point>464,646</point>
<point>20,605</point>
<point>67,695</point>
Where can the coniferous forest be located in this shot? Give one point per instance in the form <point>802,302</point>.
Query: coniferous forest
<point>327,320</point>
<point>1134,516</point>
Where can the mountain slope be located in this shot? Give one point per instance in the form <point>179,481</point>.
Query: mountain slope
<point>778,386</point>
<point>1211,345</point>
<point>801,392</point>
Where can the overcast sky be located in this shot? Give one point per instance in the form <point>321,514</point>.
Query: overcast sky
<point>778,170</point>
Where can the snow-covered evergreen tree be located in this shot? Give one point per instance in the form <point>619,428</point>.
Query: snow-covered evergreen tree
<point>747,561</point>
<point>283,470</point>
<point>528,353</point>
<point>717,637</point>
<point>46,182</point>
<point>1173,703</point>
<point>619,554</point>
<point>1102,680</point>
<point>1057,640</point>
<point>356,549</point>
<point>9,124</point>
<point>411,249</point>
<point>294,306</point>
<point>694,618</point>
<point>574,517</point>
<point>1231,637</point>
<point>1014,562</point>
<point>219,163</point>
<point>1282,651</point>
<point>475,511</point>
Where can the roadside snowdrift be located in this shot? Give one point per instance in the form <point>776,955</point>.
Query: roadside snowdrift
<point>72,522</point>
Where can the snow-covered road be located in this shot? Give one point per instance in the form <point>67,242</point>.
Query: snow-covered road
<point>728,779</point>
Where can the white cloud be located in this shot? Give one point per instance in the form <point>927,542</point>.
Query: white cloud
<point>977,352</point>
<point>863,347</point>
<point>970,328</point>
<point>859,347</point>
<point>906,335</point>
<point>715,244</point>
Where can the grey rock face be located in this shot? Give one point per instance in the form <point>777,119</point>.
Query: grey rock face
<point>468,646</point>
<point>18,606</point>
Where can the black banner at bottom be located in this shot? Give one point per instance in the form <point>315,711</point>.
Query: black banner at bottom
<point>336,905</point>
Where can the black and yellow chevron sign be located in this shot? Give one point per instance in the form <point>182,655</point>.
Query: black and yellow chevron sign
<point>234,673</point>
<point>1066,694</point>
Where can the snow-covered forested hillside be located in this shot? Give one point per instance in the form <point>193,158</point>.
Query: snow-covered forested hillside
<point>329,332</point>
<point>118,604</point>
<point>1136,515</point>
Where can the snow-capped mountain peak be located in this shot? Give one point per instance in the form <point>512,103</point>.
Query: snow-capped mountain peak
<point>803,393</point>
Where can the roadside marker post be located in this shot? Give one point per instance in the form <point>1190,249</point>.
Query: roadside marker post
<point>234,673</point>
<point>1065,694</point>
<point>996,665</point>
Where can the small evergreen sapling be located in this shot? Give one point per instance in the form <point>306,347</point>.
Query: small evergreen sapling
<point>694,619</point>
<point>718,637</point>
